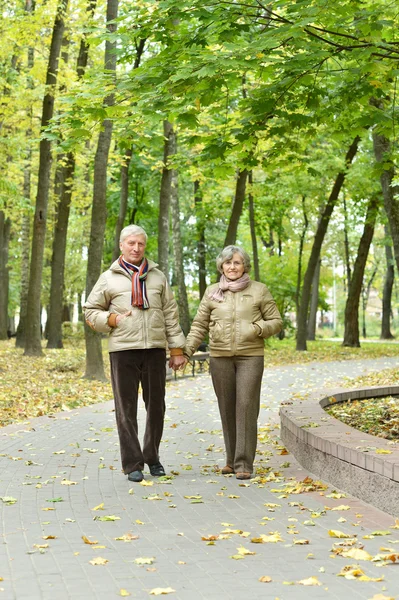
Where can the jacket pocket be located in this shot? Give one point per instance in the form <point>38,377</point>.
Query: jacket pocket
<point>248,332</point>
<point>216,333</point>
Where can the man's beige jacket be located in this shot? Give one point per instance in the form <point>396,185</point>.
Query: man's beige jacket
<point>237,326</point>
<point>155,327</point>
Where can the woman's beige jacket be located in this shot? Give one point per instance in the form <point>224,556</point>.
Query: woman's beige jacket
<point>237,326</point>
<point>154,327</point>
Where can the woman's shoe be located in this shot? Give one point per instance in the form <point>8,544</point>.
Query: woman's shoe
<point>227,470</point>
<point>243,475</point>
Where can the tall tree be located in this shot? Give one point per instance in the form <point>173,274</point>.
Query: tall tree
<point>5,228</point>
<point>33,332</point>
<point>351,335</point>
<point>251,208</point>
<point>26,220</point>
<point>316,248</point>
<point>314,303</point>
<point>382,151</point>
<point>182,299</point>
<point>94,357</point>
<point>64,187</point>
<point>124,195</point>
<point>386,333</point>
<point>201,250</point>
<point>236,211</point>
<point>169,149</point>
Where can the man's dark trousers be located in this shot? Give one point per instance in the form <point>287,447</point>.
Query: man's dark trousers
<point>129,368</point>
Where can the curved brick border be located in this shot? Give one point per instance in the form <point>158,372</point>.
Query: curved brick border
<point>339,454</point>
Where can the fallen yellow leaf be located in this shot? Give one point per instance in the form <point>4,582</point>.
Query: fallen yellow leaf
<point>124,593</point>
<point>99,507</point>
<point>87,541</point>
<point>144,560</point>
<point>265,579</point>
<point>356,554</point>
<point>309,581</point>
<point>338,534</point>
<point>160,591</point>
<point>98,561</point>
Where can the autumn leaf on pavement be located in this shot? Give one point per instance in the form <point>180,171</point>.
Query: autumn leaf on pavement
<point>98,561</point>
<point>144,560</point>
<point>59,499</point>
<point>310,581</point>
<point>67,482</point>
<point>356,554</point>
<point>160,591</point>
<point>338,534</point>
<point>87,541</point>
<point>128,537</point>
<point>106,518</point>
<point>146,483</point>
<point>99,507</point>
<point>265,579</point>
<point>8,500</point>
<point>301,542</point>
<point>124,593</point>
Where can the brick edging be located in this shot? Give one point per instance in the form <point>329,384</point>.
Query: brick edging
<point>342,455</point>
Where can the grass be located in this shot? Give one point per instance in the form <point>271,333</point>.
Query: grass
<point>31,387</point>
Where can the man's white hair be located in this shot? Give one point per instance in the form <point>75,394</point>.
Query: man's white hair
<point>132,230</point>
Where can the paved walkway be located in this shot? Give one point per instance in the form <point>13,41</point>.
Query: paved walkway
<point>64,475</point>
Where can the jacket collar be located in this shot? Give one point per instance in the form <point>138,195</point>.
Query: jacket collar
<point>116,268</point>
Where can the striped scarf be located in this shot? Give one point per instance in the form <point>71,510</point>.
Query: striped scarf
<point>138,275</point>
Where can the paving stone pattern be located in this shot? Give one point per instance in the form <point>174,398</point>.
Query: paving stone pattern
<point>40,459</point>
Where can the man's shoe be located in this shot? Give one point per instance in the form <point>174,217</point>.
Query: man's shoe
<point>136,476</point>
<point>157,470</point>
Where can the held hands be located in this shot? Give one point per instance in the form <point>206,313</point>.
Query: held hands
<point>120,317</point>
<point>177,363</point>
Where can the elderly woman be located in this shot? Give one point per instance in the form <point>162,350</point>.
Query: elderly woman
<point>238,314</point>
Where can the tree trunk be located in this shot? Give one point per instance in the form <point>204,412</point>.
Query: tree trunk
<point>124,195</point>
<point>64,178</point>
<point>25,233</point>
<point>382,150</point>
<point>182,299</point>
<point>346,245</point>
<point>33,338</point>
<point>94,358</point>
<point>54,328</point>
<point>316,248</point>
<point>238,203</point>
<point>5,228</point>
<point>314,303</point>
<point>300,256</point>
<point>201,251</point>
<point>386,333</point>
<point>164,198</point>
<point>351,335</point>
<point>365,297</point>
<point>255,255</point>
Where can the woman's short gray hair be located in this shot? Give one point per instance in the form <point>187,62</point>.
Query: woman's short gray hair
<point>132,230</point>
<point>227,254</point>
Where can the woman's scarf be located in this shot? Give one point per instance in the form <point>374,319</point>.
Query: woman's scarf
<point>226,284</point>
<point>139,275</point>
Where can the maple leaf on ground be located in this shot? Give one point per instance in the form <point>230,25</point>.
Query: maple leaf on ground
<point>161,591</point>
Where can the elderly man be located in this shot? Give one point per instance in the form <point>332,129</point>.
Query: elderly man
<point>133,302</point>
